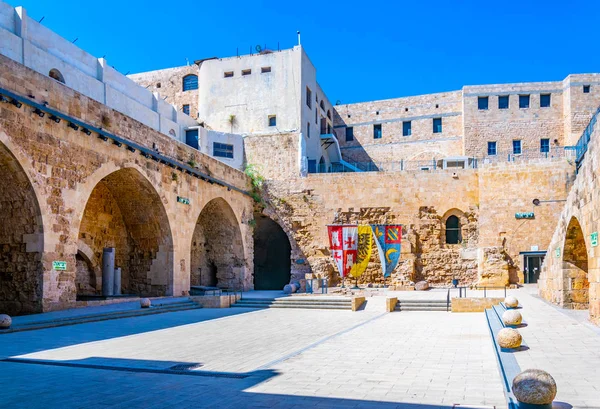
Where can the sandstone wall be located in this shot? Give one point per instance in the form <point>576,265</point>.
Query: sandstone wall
<point>56,169</point>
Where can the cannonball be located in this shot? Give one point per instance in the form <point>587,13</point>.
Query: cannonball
<point>145,303</point>
<point>512,317</point>
<point>288,289</point>
<point>422,286</point>
<point>535,387</point>
<point>5,321</point>
<point>509,338</point>
<point>511,302</point>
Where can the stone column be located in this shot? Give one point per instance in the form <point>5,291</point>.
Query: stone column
<point>108,271</point>
<point>117,286</point>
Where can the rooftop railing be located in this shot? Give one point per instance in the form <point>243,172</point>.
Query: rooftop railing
<point>582,144</point>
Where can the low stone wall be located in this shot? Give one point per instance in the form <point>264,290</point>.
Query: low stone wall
<point>474,304</point>
<point>216,301</point>
<point>390,304</point>
<point>357,302</point>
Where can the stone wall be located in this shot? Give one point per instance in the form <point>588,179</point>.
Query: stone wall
<point>61,169</point>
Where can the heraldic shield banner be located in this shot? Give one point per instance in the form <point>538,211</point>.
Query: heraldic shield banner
<point>363,251</point>
<point>388,239</point>
<point>343,243</point>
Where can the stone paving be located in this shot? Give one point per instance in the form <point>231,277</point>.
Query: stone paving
<point>292,358</point>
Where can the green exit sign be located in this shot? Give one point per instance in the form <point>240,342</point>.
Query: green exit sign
<point>183,200</point>
<point>594,239</point>
<point>525,215</point>
<point>59,265</point>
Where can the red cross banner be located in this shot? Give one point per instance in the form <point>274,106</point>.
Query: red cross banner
<point>335,245</point>
<point>350,247</point>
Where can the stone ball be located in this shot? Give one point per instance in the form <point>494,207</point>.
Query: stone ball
<point>145,303</point>
<point>509,338</point>
<point>422,286</point>
<point>511,302</point>
<point>5,321</point>
<point>535,387</point>
<point>288,289</point>
<point>512,317</point>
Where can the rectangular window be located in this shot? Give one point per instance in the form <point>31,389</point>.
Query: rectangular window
<point>492,149</point>
<point>228,74</point>
<point>349,134</point>
<point>191,138</point>
<point>308,98</point>
<point>308,129</point>
<point>272,120</point>
<point>545,101</point>
<point>186,109</point>
<point>586,89</point>
<point>437,125</point>
<point>265,70</point>
<point>246,72</point>
<point>406,128</point>
<point>377,131</point>
<point>516,147</point>
<point>544,145</point>
<point>312,166</point>
<point>222,150</point>
<point>523,101</point>
<point>482,103</point>
<point>503,102</point>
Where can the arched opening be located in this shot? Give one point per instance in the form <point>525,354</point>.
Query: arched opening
<point>322,165</point>
<point>21,240</point>
<point>125,212</point>
<point>575,268</point>
<point>453,230</point>
<point>272,253</point>
<point>57,75</point>
<point>322,105</point>
<point>217,256</point>
<point>190,82</point>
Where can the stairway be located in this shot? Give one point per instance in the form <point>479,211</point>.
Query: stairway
<point>322,303</point>
<point>423,305</point>
<point>158,307</point>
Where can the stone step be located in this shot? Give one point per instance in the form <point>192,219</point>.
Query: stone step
<point>270,302</point>
<point>155,309</point>
<point>422,308</point>
<point>313,306</point>
<point>422,301</point>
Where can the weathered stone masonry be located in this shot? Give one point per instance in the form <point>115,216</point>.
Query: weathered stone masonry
<point>66,195</point>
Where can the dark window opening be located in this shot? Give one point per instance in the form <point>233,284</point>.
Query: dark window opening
<point>186,109</point>
<point>246,72</point>
<point>516,147</point>
<point>437,125</point>
<point>56,74</point>
<point>406,128</point>
<point>190,82</point>
<point>191,138</point>
<point>228,74</point>
<point>453,232</point>
<point>491,151</point>
<point>503,102</point>
<point>222,150</point>
<point>264,70</point>
<point>523,101</point>
<point>586,89</point>
<point>377,131</point>
<point>482,103</point>
<point>545,101</point>
<point>544,145</point>
<point>272,120</point>
<point>308,98</point>
<point>349,134</point>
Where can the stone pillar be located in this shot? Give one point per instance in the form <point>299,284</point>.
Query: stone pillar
<point>117,286</point>
<point>108,271</point>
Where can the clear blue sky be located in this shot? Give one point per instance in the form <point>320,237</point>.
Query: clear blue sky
<point>362,50</point>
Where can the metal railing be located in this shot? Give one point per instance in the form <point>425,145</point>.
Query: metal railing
<point>582,144</point>
<point>484,288</point>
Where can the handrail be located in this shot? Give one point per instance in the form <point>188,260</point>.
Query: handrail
<point>582,144</point>
<point>448,301</point>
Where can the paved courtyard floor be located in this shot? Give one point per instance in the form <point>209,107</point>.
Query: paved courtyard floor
<point>255,358</point>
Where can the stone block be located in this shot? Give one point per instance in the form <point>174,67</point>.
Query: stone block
<point>465,304</point>
<point>357,302</point>
<point>390,304</point>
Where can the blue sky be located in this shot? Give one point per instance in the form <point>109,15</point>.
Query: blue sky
<point>362,50</point>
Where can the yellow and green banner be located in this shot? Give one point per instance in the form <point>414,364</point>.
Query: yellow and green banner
<point>364,248</point>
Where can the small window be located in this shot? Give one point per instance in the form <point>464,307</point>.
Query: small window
<point>308,129</point>
<point>264,70</point>
<point>228,74</point>
<point>523,101</point>
<point>322,105</point>
<point>545,145</point>
<point>190,82</point>
<point>545,101</point>
<point>453,231</point>
<point>56,74</point>
<point>503,102</point>
<point>186,109</point>
<point>516,147</point>
<point>437,125</point>
<point>158,85</point>
<point>246,72</point>
<point>308,98</point>
<point>406,128</point>
<point>377,131</point>
<point>586,89</point>
<point>349,134</point>
<point>482,103</point>
<point>329,113</point>
<point>492,149</point>
<point>222,150</point>
<point>272,120</point>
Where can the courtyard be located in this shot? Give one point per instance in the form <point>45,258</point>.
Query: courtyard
<point>293,358</point>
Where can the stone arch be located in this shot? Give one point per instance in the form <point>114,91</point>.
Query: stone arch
<point>217,250</point>
<point>21,239</point>
<point>575,267</point>
<point>57,75</point>
<point>272,255</point>
<point>124,211</point>
<point>453,222</point>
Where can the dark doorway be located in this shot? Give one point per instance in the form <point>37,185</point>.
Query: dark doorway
<point>272,252</point>
<point>532,267</point>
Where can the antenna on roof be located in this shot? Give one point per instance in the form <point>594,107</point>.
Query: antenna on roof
<point>187,61</point>
<point>298,32</point>
<point>42,19</point>
<point>75,40</point>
